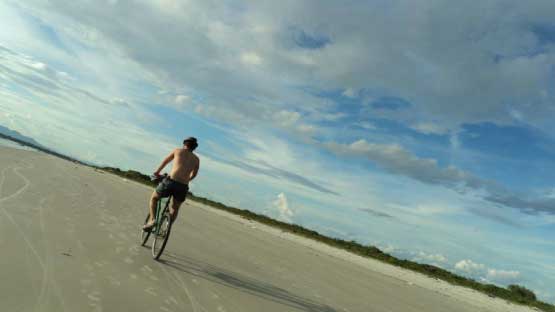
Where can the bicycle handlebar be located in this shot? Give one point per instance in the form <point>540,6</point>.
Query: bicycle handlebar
<point>158,178</point>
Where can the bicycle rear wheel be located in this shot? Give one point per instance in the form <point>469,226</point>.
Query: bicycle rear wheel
<point>144,234</point>
<point>161,236</point>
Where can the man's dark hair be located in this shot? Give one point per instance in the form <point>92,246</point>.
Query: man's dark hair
<point>191,143</point>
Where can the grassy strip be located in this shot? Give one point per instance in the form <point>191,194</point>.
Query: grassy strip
<point>513,293</point>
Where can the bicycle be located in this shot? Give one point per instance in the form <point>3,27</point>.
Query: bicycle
<point>162,224</point>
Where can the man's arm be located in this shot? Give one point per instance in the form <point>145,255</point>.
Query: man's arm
<point>195,171</point>
<point>164,163</point>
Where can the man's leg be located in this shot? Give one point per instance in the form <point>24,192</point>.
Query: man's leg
<point>153,202</point>
<point>175,208</point>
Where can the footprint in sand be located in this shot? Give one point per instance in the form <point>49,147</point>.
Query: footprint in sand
<point>153,277</point>
<point>172,299</point>
<point>114,281</point>
<point>134,250</point>
<point>151,291</point>
<point>95,301</point>
<point>96,307</point>
<point>94,296</point>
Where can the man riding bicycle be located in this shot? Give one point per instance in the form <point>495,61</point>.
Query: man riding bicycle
<point>184,169</point>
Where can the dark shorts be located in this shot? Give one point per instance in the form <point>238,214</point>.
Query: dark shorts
<point>171,187</point>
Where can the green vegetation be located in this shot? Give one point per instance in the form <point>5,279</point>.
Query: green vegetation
<point>522,292</point>
<point>513,293</point>
<point>129,174</point>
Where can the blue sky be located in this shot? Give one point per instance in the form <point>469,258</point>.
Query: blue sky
<point>421,127</point>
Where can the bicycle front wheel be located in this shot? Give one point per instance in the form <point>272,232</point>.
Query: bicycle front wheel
<point>161,236</point>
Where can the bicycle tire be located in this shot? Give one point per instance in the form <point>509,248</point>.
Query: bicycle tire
<point>145,234</point>
<point>161,236</point>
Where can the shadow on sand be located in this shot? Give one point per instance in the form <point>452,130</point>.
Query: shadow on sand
<point>243,283</point>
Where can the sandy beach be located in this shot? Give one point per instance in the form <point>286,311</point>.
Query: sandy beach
<point>69,240</point>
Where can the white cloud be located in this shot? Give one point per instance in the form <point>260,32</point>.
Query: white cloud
<point>181,99</point>
<point>454,140</point>
<point>469,266</point>
<point>550,193</point>
<point>251,58</point>
<point>329,116</point>
<point>64,75</point>
<point>516,114</point>
<point>502,275</point>
<point>367,125</point>
<point>38,65</point>
<point>306,129</point>
<point>429,128</point>
<point>433,258</point>
<point>396,159</point>
<point>286,118</point>
<point>281,203</point>
<point>487,275</point>
<point>389,249</point>
<point>181,102</point>
<point>121,102</point>
<point>433,209</point>
<point>350,93</point>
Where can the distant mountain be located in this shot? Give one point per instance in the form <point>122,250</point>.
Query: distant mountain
<point>6,133</point>
<point>16,135</point>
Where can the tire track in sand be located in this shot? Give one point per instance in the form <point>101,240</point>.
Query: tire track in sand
<point>39,259</point>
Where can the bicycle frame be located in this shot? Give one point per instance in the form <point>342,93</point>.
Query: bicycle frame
<point>160,212</point>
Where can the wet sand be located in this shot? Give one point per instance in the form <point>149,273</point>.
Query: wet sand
<point>69,242</point>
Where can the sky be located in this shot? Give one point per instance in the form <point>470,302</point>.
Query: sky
<point>422,127</point>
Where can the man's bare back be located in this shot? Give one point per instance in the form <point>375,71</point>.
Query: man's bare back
<point>185,165</point>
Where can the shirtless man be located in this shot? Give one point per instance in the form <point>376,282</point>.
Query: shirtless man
<point>184,169</point>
